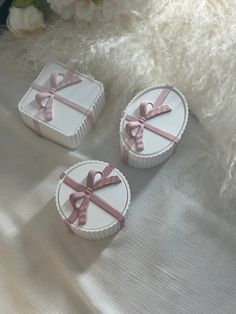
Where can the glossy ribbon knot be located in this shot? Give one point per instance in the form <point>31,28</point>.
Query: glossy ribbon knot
<point>45,98</point>
<point>86,194</point>
<point>135,127</point>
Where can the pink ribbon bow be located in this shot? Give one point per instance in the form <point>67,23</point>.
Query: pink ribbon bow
<point>46,96</point>
<point>139,124</point>
<point>86,194</point>
<point>135,126</point>
<point>69,78</point>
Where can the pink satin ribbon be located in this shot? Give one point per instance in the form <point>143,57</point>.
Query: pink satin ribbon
<point>46,96</point>
<point>135,126</point>
<point>86,194</point>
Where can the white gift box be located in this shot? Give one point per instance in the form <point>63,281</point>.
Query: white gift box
<point>152,125</point>
<point>92,198</point>
<point>62,105</point>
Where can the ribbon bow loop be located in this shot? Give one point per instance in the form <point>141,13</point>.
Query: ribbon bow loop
<point>68,79</point>
<point>95,183</point>
<point>146,110</point>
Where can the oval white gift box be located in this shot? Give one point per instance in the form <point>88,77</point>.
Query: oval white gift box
<point>152,125</point>
<point>92,198</point>
<point>62,105</point>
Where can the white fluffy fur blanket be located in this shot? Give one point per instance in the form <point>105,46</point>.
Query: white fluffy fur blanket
<point>190,43</point>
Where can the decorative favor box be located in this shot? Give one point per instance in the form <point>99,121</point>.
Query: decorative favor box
<point>152,125</point>
<point>92,198</point>
<point>62,105</point>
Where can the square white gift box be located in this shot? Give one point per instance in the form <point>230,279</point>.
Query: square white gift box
<point>62,104</point>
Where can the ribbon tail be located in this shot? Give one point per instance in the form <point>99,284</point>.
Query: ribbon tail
<point>83,211</point>
<point>40,97</point>
<point>73,216</point>
<point>49,114</point>
<point>139,139</point>
<point>79,212</point>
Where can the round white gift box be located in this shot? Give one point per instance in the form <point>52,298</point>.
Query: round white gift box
<point>81,194</point>
<point>152,125</point>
